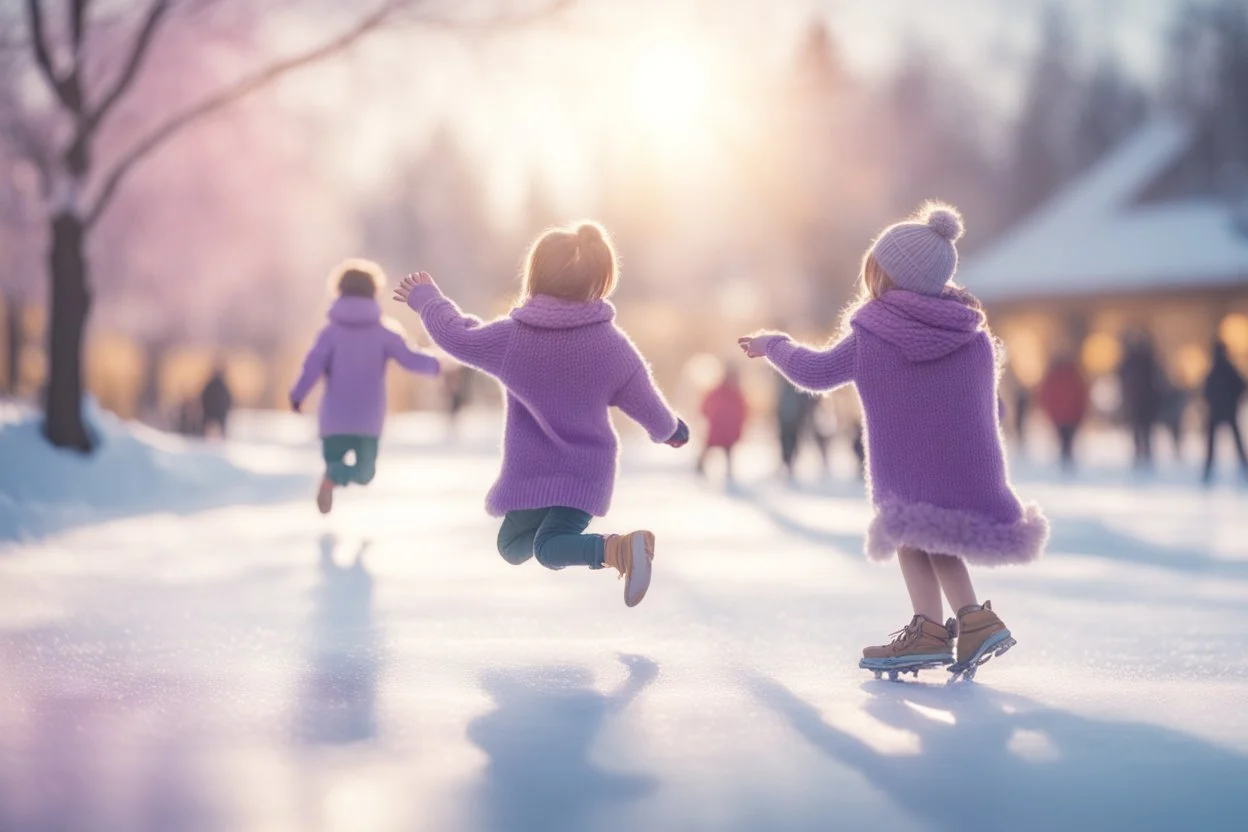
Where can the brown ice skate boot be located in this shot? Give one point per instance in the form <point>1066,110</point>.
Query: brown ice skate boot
<point>919,645</point>
<point>981,635</point>
<point>325,495</point>
<point>631,554</point>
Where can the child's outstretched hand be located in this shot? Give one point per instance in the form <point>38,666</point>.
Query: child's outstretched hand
<point>681,436</point>
<point>754,346</point>
<point>404,289</point>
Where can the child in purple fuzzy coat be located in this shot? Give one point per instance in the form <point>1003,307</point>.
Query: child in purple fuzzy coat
<point>351,354</point>
<point>564,364</point>
<point>918,350</point>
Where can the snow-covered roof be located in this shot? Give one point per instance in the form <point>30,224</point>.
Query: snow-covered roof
<point>1093,237</point>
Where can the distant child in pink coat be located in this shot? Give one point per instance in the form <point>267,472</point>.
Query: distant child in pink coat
<point>725,411</point>
<point>351,353</point>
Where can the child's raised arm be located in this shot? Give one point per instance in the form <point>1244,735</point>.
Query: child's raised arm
<point>464,337</point>
<point>314,366</point>
<point>409,359</point>
<point>642,402</point>
<point>815,370</point>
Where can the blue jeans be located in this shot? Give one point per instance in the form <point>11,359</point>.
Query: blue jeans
<point>554,535</point>
<point>334,449</point>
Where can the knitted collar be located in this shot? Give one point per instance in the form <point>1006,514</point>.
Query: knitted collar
<point>355,311</point>
<point>547,312</point>
<point>924,328</point>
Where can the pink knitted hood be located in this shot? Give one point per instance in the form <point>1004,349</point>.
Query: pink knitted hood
<point>547,312</point>
<point>924,328</point>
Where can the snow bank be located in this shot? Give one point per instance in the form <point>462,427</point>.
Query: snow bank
<point>135,470</point>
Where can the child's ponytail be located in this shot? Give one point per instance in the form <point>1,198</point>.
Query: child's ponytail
<point>573,265</point>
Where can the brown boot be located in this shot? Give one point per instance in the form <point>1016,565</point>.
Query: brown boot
<point>920,644</point>
<point>631,555</point>
<point>981,635</point>
<point>325,495</point>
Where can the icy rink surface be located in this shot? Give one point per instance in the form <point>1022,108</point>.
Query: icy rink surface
<point>234,669</point>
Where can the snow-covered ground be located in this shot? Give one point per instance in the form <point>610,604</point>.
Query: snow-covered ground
<point>236,668</point>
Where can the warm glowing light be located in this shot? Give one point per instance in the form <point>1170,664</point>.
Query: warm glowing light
<point>670,91</point>
<point>1025,351</point>
<point>114,371</point>
<point>703,371</point>
<point>1101,353</point>
<point>1192,364</point>
<point>1234,331</point>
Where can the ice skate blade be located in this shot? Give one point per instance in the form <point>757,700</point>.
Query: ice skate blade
<point>997,645</point>
<point>896,668</point>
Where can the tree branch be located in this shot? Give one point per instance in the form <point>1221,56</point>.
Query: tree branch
<point>385,13</point>
<point>499,22</point>
<point>77,23</point>
<point>228,95</point>
<point>39,43</point>
<point>67,88</point>
<point>131,70</point>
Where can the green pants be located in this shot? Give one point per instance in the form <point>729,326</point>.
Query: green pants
<point>334,449</point>
<point>555,535</point>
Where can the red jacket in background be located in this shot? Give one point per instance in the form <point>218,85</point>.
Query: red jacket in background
<point>725,412</point>
<point>1064,394</point>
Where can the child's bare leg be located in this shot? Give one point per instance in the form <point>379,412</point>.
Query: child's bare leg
<point>921,582</point>
<point>955,580</point>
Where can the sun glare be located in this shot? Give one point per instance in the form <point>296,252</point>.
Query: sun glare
<point>670,92</point>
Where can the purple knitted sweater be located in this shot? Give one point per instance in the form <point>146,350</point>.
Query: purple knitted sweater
<point>563,366</point>
<point>351,353</point>
<point>925,369</point>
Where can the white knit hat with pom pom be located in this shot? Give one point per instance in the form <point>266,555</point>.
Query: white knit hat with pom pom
<point>919,255</point>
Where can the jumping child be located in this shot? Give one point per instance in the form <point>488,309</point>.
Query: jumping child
<point>351,352</point>
<point>563,363</point>
<point>919,352</point>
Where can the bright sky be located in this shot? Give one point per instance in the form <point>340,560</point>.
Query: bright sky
<point>669,78</point>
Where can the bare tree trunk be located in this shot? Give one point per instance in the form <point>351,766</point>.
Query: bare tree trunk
<point>63,425</point>
<point>12,343</point>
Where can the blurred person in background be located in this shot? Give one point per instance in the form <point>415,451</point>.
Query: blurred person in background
<point>457,382</point>
<point>1063,395</point>
<point>1022,407</point>
<point>1139,377</point>
<point>823,429</point>
<point>190,422</point>
<point>1224,390</point>
<point>1173,405</point>
<point>793,412</point>
<point>215,403</point>
<point>351,354</point>
<point>725,411</point>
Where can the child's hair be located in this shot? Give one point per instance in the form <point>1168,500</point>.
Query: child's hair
<point>357,278</point>
<point>874,283</point>
<point>576,264</point>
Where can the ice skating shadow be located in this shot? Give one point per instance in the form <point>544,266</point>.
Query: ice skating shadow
<point>767,505</point>
<point>541,775</point>
<point>339,694</point>
<point>1094,538</point>
<point>999,761</point>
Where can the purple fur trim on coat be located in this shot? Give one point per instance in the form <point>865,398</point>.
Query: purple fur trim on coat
<point>942,531</point>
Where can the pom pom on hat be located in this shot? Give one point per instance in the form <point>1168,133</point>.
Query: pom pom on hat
<point>920,254</point>
<point>945,221</point>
